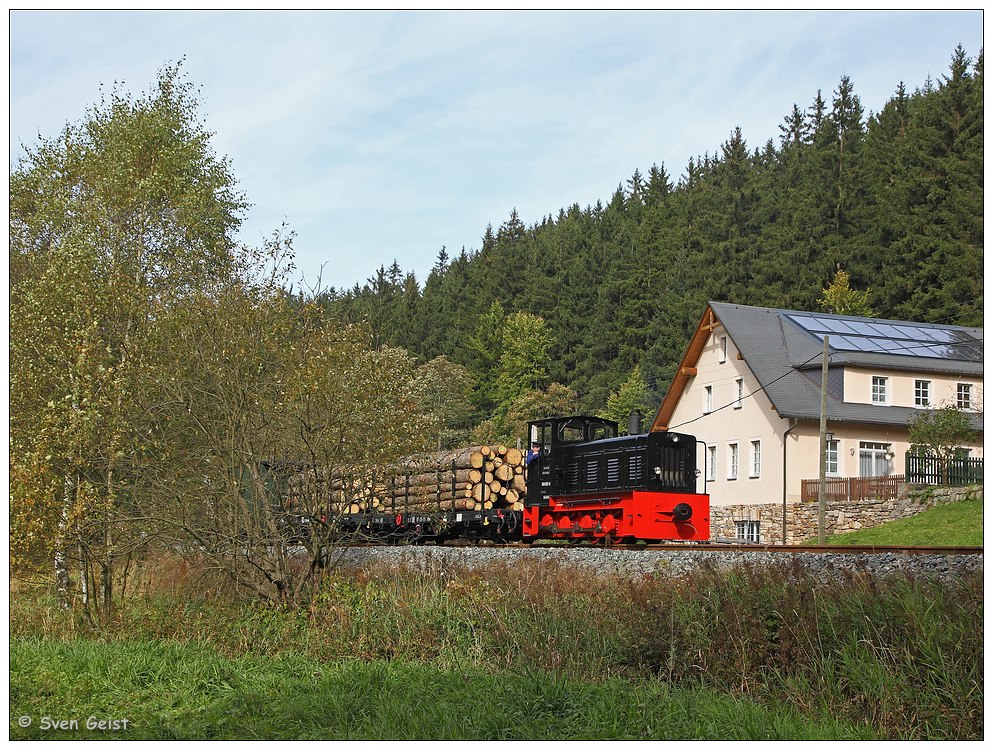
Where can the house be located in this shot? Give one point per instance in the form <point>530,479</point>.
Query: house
<point>749,388</point>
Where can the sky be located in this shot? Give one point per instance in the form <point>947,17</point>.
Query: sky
<point>387,135</point>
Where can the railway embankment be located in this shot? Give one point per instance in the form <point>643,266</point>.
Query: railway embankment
<point>654,562</point>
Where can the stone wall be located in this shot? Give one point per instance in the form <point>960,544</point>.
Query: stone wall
<point>840,517</point>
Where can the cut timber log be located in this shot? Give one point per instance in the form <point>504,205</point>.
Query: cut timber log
<point>481,493</point>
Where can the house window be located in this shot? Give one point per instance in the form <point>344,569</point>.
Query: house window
<point>879,389</point>
<point>874,459</point>
<point>831,454</point>
<point>708,399</point>
<point>711,463</point>
<point>723,355</point>
<point>732,460</point>
<point>748,531</point>
<point>756,468</point>
<point>963,396</point>
<point>922,393</point>
<point>739,391</point>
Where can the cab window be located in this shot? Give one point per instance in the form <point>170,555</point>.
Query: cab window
<point>571,432</point>
<point>601,432</point>
<point>541,433</point>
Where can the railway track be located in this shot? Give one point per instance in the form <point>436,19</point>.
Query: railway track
<point>809,548</point>
<point>875,549</point>
<point>786,549</point>
<point>823,563</point>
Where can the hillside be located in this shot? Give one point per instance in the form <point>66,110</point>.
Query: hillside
<point>894,197</point>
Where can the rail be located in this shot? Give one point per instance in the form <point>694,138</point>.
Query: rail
<point>691,547</point>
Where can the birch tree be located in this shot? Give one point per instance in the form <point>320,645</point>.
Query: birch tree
<point>111,222</point>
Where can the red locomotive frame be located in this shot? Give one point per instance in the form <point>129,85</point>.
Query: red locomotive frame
<point>628,515</point>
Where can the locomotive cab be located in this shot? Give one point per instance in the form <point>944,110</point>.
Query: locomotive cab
<point>548,440</point>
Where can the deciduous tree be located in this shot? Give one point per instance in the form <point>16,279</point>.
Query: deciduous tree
<point>111,222</point>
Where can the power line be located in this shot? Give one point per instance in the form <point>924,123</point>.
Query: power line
<point>761,389</point>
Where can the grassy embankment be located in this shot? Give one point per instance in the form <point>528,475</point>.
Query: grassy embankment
<point>529,651</point>
<point>950,525</point>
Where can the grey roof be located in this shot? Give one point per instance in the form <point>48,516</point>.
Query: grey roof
<point>786,360</point>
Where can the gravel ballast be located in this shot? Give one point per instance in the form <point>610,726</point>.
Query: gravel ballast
<point>663,563</point>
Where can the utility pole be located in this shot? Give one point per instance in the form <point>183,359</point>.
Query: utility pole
<point>822,487</point>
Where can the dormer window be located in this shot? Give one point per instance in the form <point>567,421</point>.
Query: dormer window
<point>963,395</point>
<point>879,390</point>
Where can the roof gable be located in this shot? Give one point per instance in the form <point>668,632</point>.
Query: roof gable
<point>686,369</point>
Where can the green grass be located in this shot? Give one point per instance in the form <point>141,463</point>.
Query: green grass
<point>950,525</point>
<point>168,690</point>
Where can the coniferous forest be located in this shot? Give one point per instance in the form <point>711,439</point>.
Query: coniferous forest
<point>599,301</point>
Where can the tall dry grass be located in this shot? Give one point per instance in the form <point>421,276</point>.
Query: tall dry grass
<point>901,656</point>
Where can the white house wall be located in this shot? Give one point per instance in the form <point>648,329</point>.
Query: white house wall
<point>901,388</point>
<point>803,451</point>
<point>727,424</point>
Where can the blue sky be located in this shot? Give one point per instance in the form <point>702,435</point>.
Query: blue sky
<point>382,135</point>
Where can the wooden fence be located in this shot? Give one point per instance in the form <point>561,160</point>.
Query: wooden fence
<point>845,489</point>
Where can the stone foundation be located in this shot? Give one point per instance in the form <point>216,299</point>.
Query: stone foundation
<point>840,517</point>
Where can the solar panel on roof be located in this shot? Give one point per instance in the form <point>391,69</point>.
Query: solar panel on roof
<point>893,338</point>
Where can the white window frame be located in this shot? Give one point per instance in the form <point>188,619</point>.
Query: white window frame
<point>755,459</point>
<point>733,461</point>
<point>711,463</point>
<point>722,344</point>
<point>963,395</point>
<point>749,531</point>
<point>879,455</point>
<point>832,454</point>
<point>922,393</point>
<point>708,399</point>
<point>739,389</point>
<point>880,390</point>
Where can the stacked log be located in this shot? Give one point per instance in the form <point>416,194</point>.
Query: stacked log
<point>480,477</point>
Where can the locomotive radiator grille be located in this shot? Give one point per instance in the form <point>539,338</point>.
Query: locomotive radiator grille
<point>673,468</point>
<point>613,470</point>
<point>571,473</point>
<point>592,472</point>
<point>636,467</point>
